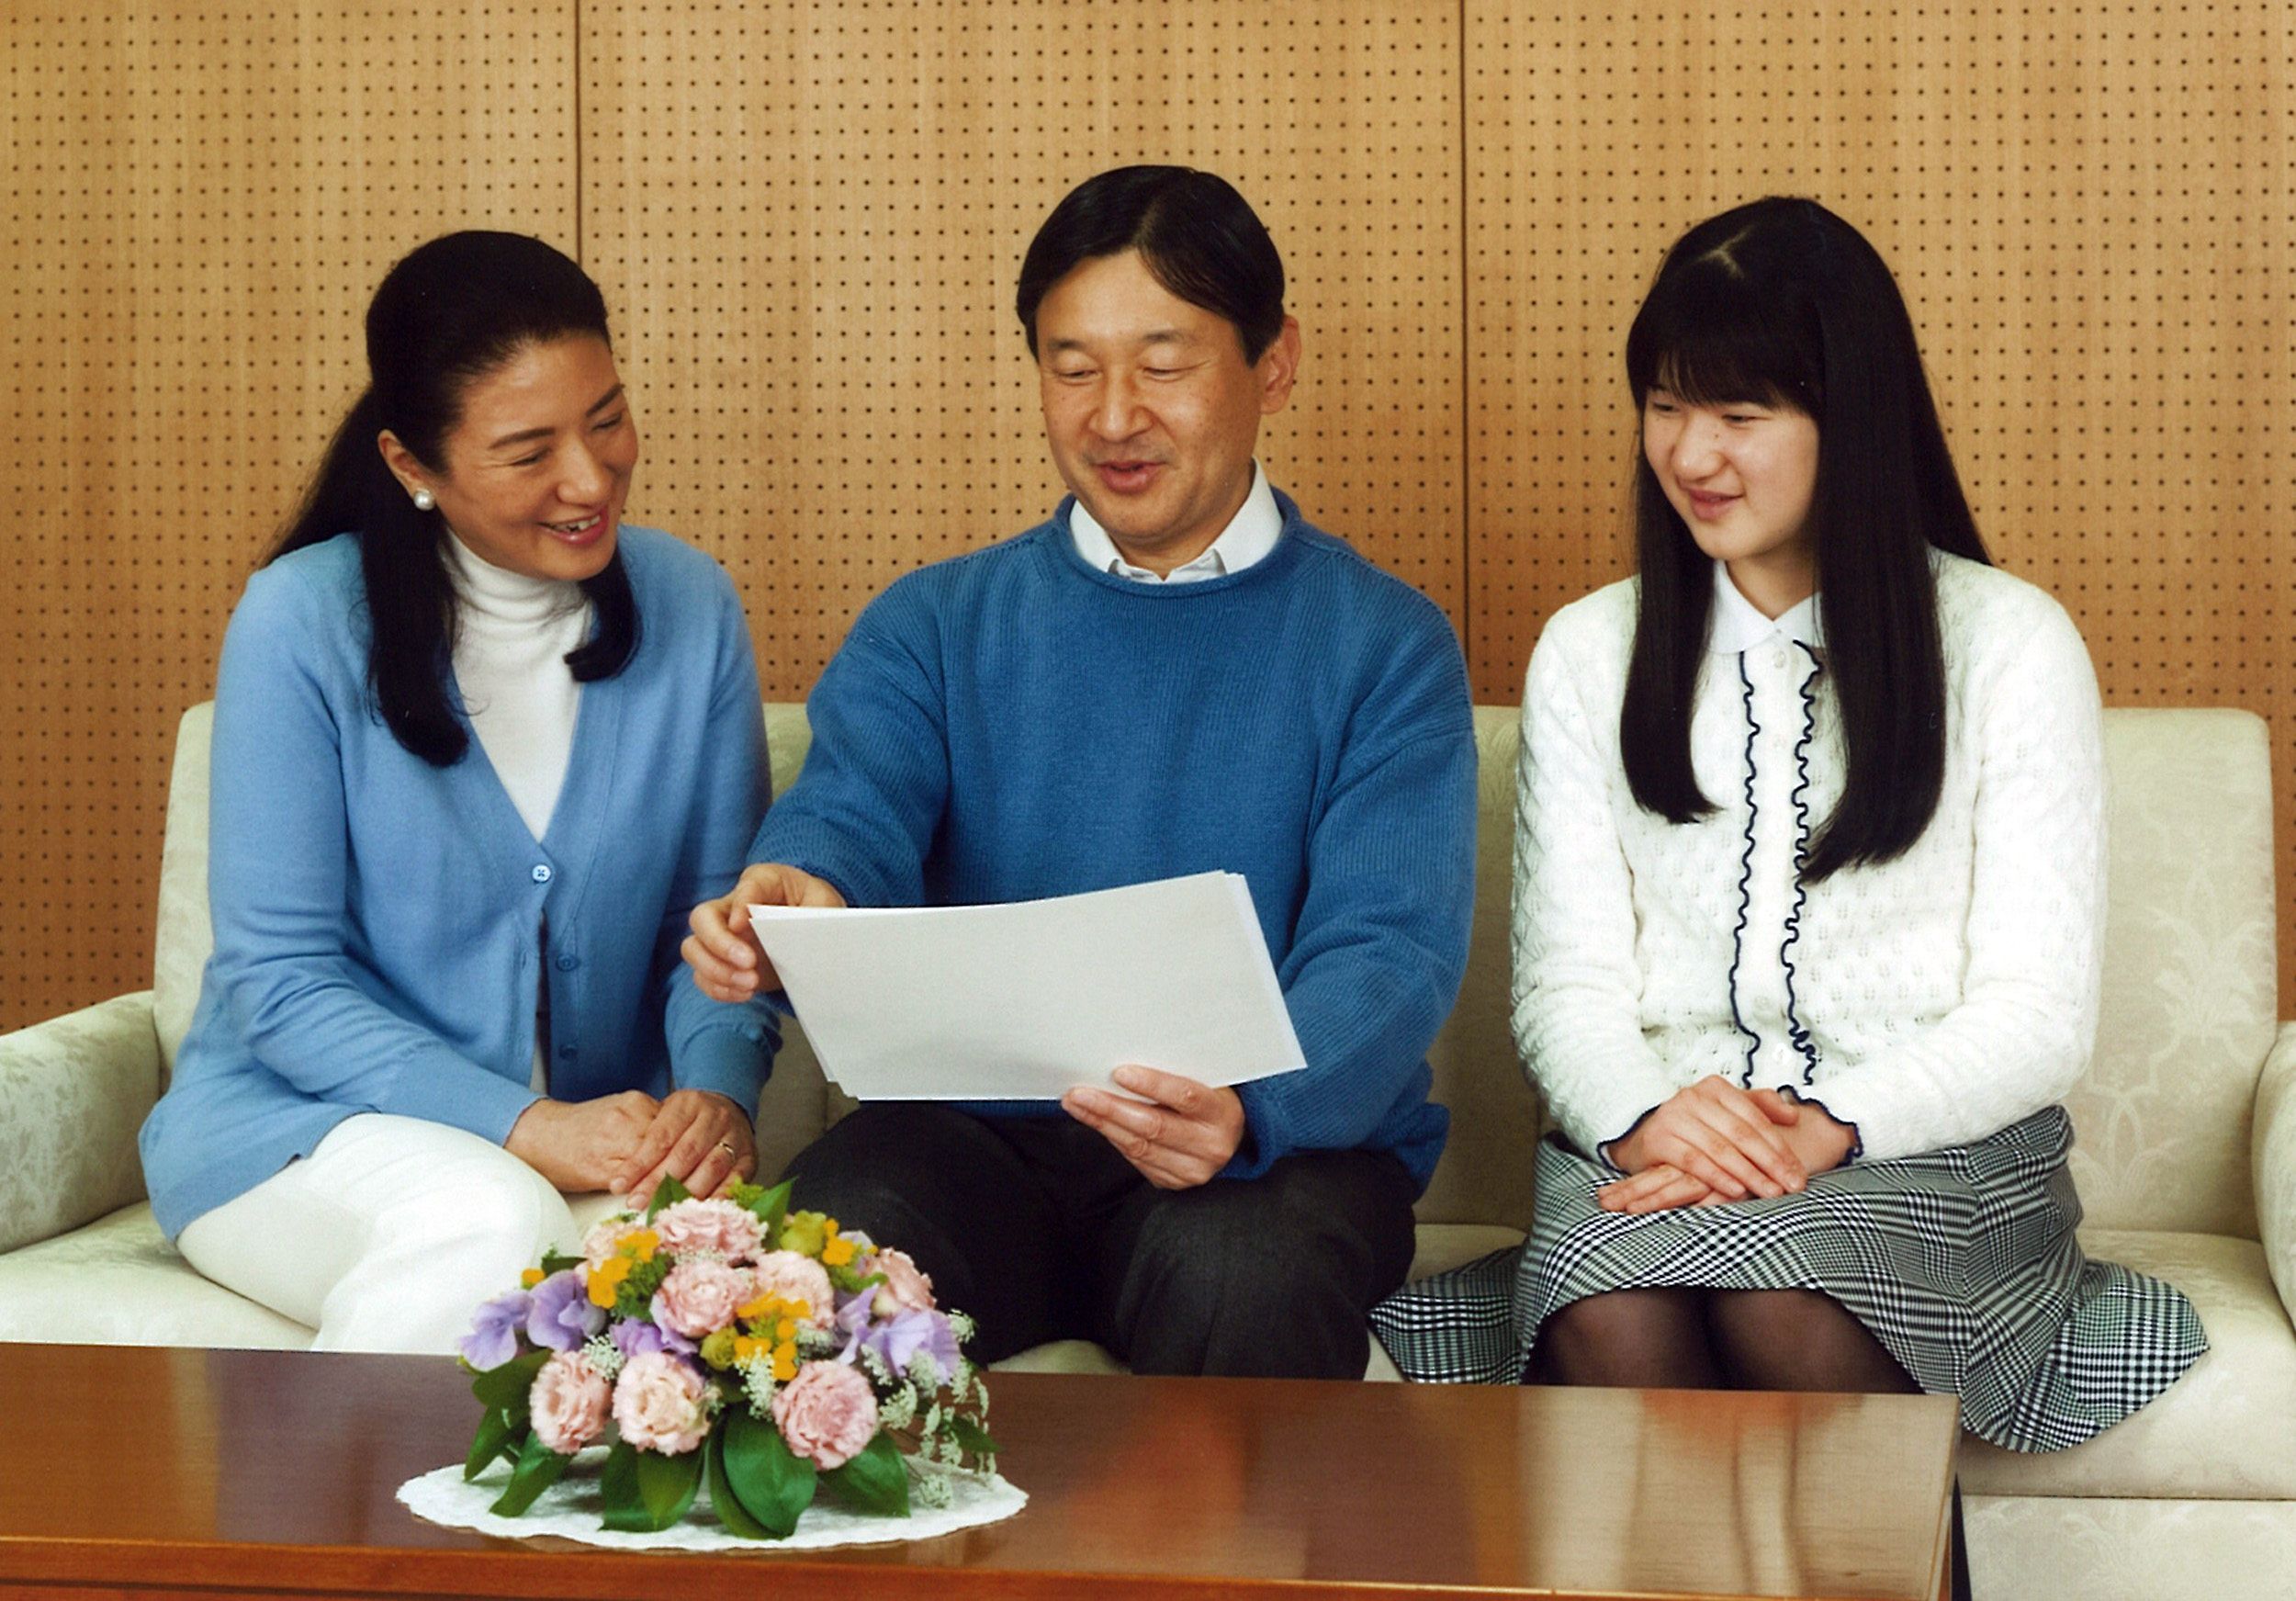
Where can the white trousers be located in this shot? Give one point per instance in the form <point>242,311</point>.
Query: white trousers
<point>390,1234</point>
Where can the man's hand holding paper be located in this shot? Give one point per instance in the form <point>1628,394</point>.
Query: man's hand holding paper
<point>723,949</point>
<point>1179,1134</point>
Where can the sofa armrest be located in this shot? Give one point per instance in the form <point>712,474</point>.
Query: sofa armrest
<point>2274,1155</point>
<point>73,1090</point>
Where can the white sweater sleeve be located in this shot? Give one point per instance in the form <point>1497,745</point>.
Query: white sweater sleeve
<point>2027,1019</point>
<point>1578,983</point>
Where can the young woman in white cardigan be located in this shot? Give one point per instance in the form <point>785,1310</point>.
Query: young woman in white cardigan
<point>1809,899</point>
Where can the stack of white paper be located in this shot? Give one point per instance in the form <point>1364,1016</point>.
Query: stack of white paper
<point>1024,1001</point>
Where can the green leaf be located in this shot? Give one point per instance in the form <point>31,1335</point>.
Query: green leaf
<point>774,1485</point>
<point>669,1192</point>
<point>507,1385</point>
<point>617,1487</point>
<point>634,1297</point>
<point>971,1437</point>
<point>723,1501</point>
<point>849,1281</point>
<point>645,1492</point>
<point>557,1262</point>
<point>770,1208</point>
<point>538,1468</point>
<point>876,1481</point>
<point>494,1439</point>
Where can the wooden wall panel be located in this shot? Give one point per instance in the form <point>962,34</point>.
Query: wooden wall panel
<point>809,221</point>
<point>200,199</point>
<point>2090,209</point>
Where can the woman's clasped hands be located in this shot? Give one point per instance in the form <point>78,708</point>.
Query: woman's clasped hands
<point>1713,1143</point>
<point>629,1142</point>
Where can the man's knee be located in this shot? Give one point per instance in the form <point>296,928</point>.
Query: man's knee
<point>1245,1277</point>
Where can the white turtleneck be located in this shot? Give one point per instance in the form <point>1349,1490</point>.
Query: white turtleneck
<point>512,636</point>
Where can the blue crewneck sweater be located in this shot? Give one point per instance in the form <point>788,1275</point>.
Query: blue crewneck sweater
<point>1011,724</point>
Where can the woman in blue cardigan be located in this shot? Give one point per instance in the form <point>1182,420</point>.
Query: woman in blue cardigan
<point>473,759</point>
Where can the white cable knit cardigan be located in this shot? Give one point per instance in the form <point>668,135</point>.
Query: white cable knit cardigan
<point>1938,998</point>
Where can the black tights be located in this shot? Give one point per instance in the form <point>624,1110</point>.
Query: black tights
<point>1713,1339</point>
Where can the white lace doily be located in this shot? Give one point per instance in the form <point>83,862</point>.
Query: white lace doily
<point>571,1509</point>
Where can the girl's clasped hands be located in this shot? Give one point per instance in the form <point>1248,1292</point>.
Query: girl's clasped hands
<point>1715,1143</point>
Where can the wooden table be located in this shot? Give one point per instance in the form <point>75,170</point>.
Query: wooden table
<point>146,1473</point>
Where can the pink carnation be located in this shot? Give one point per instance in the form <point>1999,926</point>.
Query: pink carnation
<point>658,1404</point>
<point>827,1415</point>
<point>732,1231</point>
<point>793,1275</point>
<point>698,1298</point>
<point>906,1288</point>
<point>568,1400</point>
<point>604,1238</point>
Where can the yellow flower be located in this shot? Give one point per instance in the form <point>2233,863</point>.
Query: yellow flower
<point>529,1277</point>
<point>605,1279</point>
<point>640,1243</point>
<point>836,1253</point>
<point>786,1329</point>
<point>785,1362</point>
<point>763,1307</point>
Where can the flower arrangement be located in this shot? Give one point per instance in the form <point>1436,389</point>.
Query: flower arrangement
<point>764,1349</point>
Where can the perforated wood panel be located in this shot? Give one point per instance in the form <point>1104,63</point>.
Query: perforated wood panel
<point>2090,208</point>
<point>809,219</point>
<point>200,199</point>
<point>812,218</point>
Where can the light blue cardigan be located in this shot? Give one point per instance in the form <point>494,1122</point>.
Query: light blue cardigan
<point>376,916</point>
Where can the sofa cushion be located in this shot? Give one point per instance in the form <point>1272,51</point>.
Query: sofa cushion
<point>2099,1548</point>
<point>1485,1175</point>
<point>1444,1246</point>
<point>73,1090</point>
<point>183,938</point>
<point>2222,1431</point>
<point>2190,1004</point>
<point>118,1282</point>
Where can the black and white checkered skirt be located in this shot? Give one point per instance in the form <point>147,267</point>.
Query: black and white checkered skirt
<point>1961,1262</point>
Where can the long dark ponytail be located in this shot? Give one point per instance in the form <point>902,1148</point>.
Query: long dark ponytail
<point>1783,303</point>
<point>449,313</point>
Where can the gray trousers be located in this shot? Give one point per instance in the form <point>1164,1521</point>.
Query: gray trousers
<point>1038,1230</point>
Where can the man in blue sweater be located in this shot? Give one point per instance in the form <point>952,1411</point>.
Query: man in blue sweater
<point>1176,674</point>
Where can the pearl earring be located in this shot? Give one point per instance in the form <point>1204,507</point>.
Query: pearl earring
<point>425,501</point>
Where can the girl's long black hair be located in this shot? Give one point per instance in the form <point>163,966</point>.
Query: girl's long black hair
<point>448,313</point>
<point>1783,304</point>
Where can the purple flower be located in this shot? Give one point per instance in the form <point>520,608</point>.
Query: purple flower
<point>493,1336</point>
<point>899,1341</point>
<point>633,1337</point>
<point>561,1316</point>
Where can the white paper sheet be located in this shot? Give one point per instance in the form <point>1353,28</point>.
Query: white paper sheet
<point>1024,1001</point>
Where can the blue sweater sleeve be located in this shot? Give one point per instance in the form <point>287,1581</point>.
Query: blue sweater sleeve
<point>277,883</point>
<point>1379,946</point>
<point>729,1049</point>
<point>863,813</point>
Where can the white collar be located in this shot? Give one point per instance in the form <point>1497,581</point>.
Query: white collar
<point>495,594</point>
<point>1250,534</point>
<point>1737,625</point>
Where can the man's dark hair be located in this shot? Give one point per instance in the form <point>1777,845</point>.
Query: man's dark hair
<point>1198,237</point>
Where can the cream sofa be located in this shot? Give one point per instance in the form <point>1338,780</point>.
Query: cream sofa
<point>2187,1163</point>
